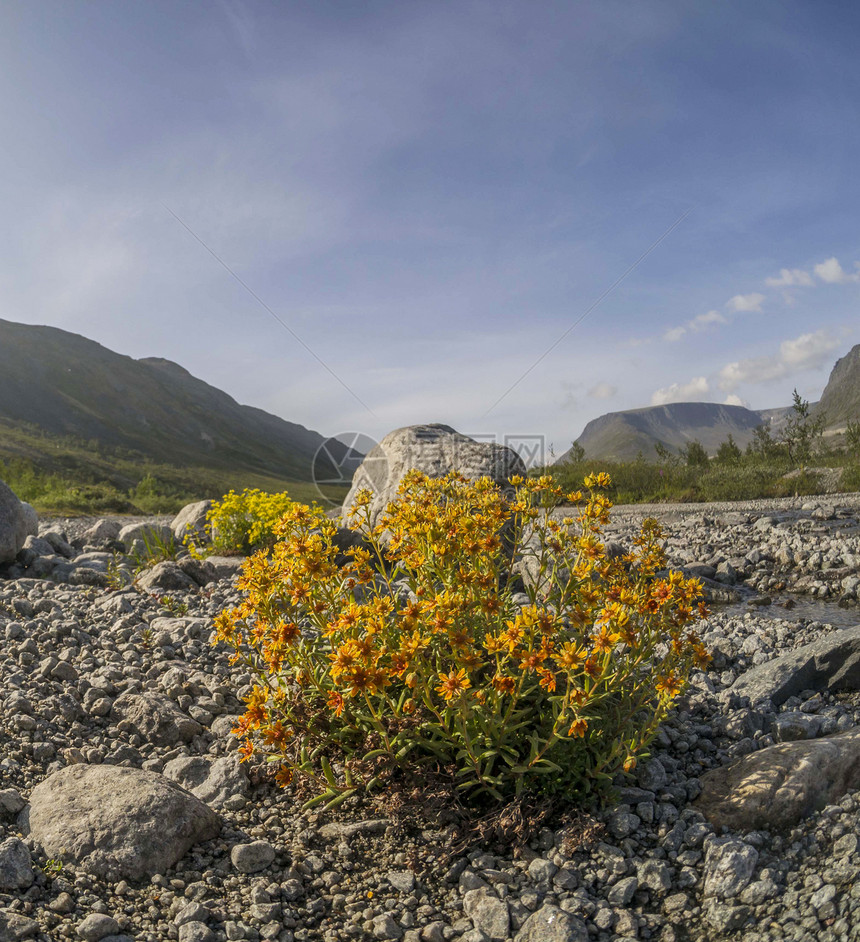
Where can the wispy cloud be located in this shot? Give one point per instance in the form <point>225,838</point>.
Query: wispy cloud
<point>746,302</point>
<point>682,392</point>
<point>791,278</point>
<point>698,323</point>
<point>734,400</point>
<point>833,273</point>
<point>602,391</point>
<point>806,352</point>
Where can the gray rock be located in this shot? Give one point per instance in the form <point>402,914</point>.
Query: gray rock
<point>96,926</point>
<point>551,924</point>
<point>166,575</point>
<point>14,927</point>
<point>118,823</point>
<point>196,932</point>
<point>433,449</point>
<point>830,663</point>
<point>794,725</point>
<point>336,830</point>
<point>621,893</point>
<point>724,917</point>
<point>655,875</point>
<point>191,912</point>
<point>31,518</point>
<point>488,913</point>
<point>200,570</point>
<point>253,857</point>
<point>778,786</point>
<point>144,531</point>
<point>729,866</point>
<point>14,524</point>
<point>226,566</point>
<point>102,531</point>
<point>58,540</point>
<point>38,546</point>
<point>16,869</point>
<point>191,521</point>
<point>211,780</point>
<point>10,802</point>
<point>385,927</point>
<point>156,718</point>
<point>402,880</point>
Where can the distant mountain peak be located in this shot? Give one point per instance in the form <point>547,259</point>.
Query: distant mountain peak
<point>623,435</point>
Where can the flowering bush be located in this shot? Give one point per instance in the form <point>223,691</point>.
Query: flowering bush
<point>242,522</point>
<point>427,650</point>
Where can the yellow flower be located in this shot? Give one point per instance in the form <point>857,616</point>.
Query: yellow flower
<point>453,684</point>
<point>668,685</point>
<point>570,656</point>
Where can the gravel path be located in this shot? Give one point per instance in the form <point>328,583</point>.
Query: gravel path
<point>73,654</point>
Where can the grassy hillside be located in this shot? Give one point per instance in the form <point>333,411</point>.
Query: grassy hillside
<point>85,429</point>
<point>67,385</point>
<point>65,475</point>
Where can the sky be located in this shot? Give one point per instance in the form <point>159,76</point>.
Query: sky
<point>511,217</point>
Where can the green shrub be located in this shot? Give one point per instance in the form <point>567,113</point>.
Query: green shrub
<point>418,654</point>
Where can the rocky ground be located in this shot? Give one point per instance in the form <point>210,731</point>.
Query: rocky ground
<point>744,824</point>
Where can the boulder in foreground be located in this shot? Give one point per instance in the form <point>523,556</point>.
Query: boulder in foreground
<point>117,823</point>
<point>830,663</point>
<point>775,788</point>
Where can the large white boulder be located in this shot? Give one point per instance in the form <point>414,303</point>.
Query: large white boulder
<point>435,450</point>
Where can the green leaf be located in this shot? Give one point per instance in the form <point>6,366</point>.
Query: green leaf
<point>375,754</point>
<point>327,795</point>
<point>327,772</point>
<point>341,798</point>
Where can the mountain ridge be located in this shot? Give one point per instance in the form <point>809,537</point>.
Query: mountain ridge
<point>622,435</point>
<point>68,385</point>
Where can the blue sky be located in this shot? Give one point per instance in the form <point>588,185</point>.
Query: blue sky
<point>431,194</point>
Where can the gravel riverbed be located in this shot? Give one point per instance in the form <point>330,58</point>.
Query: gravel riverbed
<point>79,658</point>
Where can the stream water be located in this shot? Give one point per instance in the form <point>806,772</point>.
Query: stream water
<point>823,610</point>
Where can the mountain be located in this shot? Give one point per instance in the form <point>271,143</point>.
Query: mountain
<point>59,384</point>
<point>840,401</point>
<point>622,435</point>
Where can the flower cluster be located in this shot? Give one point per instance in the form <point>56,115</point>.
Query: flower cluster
<point>486,633</point>
<point>241,522</point>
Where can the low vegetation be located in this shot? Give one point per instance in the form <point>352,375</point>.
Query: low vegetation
<point>428,654</point>
<point>68,475</point>
<point>799,460</point>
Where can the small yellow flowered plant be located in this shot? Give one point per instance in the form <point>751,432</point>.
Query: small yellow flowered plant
<point>474,632</point>
<point>242,522</point>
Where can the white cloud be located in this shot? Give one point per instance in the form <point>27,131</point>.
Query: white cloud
<point>833,273</point>
<point>674,334</point>
<point>806,352</point>
<point>790,278</point>
<point>746,302</point>
<point>699,322</point>
<point>735,400</point>
<point>681,392</point>
<point>602,391</point>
